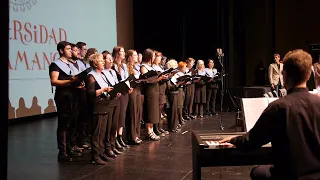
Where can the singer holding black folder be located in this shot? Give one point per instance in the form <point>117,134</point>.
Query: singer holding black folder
<point>189,92</point>
<point>173,86</point>
<point>151,95</point>
<point>200,90</point>
<point>156,64</point>
<point>120,67</point>
<point>134,106</point>
<point>97,89</point>
<point>212,88</point>
<point>114,106</point>
<point>60,72</point>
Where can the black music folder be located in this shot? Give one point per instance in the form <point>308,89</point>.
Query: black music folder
<point>81,76</point>
<point>122,87</point>
<point>149,74</point>
<point>185,78</point>
<point>168,71</point>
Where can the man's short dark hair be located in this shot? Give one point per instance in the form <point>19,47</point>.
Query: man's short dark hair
<point>62,45</point>
<point>73,45</point>
<point>297,64</point>
<point>81,44</point>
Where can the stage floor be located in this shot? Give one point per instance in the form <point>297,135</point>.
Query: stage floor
<point>32,154</point>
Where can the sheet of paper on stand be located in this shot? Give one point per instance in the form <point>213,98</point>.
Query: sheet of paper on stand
<point>252,109</point>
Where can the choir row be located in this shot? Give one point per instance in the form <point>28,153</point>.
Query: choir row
<point>98,95</point>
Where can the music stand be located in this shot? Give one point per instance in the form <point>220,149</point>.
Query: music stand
<point>220,55</point>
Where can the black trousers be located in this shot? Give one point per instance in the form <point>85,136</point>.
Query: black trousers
<point>189,99</point>
<point>124,99</point>
<point>100,123</point>
<point>112,127</point>
<point>134,114</point>
<point>181,98</point>
<point>173,111</point>
<point>211,99</point>
<point>141,108</point>
<point>65,102</point>
<point>81,117</point>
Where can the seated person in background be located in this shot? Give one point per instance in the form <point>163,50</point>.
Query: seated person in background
<point>291,124</point>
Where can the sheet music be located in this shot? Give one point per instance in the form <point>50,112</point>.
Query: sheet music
<point>128,84</point>
<point>174,80</point>
<point>271,99</point>
<point>252,108</point>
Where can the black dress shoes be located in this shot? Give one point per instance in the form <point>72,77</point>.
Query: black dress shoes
<point>110,153</point>
<point>186,118</point>
<point>192,117</point>
<point>163,131</point>
<point>64,158</point>
<point>116,151</point>
<point>99,161</point>
<point>121,142</point>
<point>214,114</point>
<point>118,146</point>
<point>136,142</point>
<point>104,157</point>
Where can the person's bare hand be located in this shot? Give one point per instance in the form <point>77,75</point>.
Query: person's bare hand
<point>227,139</point>
<point>108,89</point>
<point>164,77</point>
<point>130,90</point>
<point>73,79</point>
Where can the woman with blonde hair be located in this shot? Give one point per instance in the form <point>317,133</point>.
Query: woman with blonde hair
<point>134,106</point>
<point>97,90</point>
<point>122,72</point>
<point>200,90</point>
<point>173,97</point>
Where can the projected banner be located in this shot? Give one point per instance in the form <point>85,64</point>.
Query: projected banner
<point>35,28</point>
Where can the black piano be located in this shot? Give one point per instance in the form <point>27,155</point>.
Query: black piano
<point>206,154</point>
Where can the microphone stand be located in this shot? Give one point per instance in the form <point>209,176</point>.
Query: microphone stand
<point>220,58</point>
